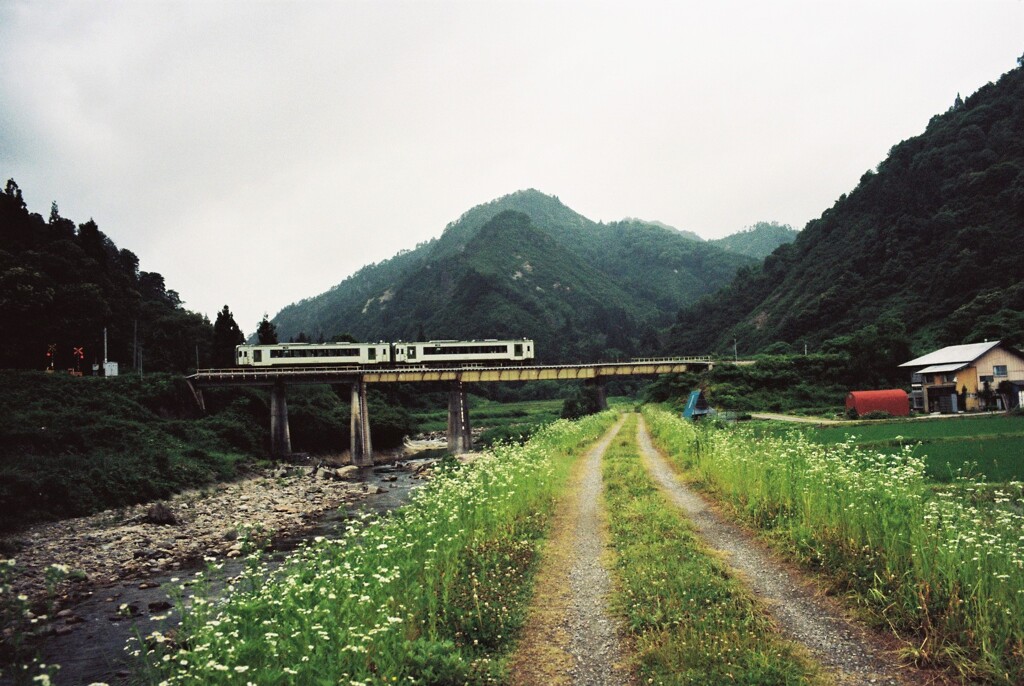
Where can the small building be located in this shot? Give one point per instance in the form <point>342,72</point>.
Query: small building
<point>895,401</point>
<point>697,406</point>
<point>966,377</point>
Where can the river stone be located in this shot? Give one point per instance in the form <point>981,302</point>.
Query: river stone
<point>348,472</point>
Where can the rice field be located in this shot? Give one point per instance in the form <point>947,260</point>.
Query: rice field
<point>942,567</point>
<point>432,593</point>
<point>988,448</point>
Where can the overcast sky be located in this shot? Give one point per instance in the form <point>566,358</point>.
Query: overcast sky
<point>258,153</point>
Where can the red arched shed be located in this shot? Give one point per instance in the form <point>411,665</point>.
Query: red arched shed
<point>894,401</point>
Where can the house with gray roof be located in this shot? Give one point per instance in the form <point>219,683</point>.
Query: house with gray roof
<point>968,377</point>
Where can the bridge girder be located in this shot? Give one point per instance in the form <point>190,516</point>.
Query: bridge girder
<point>459,437</point>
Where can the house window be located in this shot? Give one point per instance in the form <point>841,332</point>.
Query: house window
<point>999,370</point>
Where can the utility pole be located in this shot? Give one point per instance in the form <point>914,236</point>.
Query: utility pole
<point>735,354</point>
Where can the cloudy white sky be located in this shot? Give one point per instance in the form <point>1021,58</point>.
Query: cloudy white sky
<point>256,153</point>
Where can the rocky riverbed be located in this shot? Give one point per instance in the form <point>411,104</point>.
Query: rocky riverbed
<point>112,565</point>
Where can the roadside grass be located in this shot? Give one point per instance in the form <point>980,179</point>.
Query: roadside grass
<point>941,567</point>
<point>432,593</point>
<point>690,622</point>
<point>986,447</point>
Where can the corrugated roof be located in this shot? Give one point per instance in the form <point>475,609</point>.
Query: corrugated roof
<point>940,368</point>
<point>954,353</point>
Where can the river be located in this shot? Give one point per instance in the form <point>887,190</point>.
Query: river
<point>89,640</point>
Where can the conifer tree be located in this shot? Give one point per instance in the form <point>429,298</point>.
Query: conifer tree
<point>266,332</point>
<point>226,335</point>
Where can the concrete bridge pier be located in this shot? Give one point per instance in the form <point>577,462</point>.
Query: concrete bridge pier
<point>460,440</point>
<point>280,437</point>
<point>601,391</point>
<point>362,450</point>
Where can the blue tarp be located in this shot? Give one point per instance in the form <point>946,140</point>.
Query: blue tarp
<point>697,406</point>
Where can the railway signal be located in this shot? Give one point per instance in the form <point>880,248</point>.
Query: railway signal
<point>79,354</point>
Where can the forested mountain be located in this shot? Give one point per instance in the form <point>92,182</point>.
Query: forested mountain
<point>525,265</point>
<point>758,241</point>
<point>61,284</point>
<point>924,249</point>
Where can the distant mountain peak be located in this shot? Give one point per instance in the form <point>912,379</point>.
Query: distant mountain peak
<point>525,264</point>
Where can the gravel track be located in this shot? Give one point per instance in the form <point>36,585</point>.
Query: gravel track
<point>571,637</point>
<point>594,632</point>
<point>804,616</point>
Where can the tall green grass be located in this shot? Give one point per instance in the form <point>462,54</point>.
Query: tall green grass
<point>943,570</point>
<point>951,447</point>
<point>431,594</point>
<point>690,622</point>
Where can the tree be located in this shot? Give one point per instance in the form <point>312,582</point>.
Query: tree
<point>226,335</point>
<point>582,401</point>
<point>266,332</point>
<point>14,192</point>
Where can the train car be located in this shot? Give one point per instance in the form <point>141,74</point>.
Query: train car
<point>312,354</point>
<point>454,353</point>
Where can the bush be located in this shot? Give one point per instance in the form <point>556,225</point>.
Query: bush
<point>74,446</point>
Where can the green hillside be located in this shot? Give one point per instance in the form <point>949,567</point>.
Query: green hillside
<point>758,241</point>
<point>526,265</point>
<point>924,248</point>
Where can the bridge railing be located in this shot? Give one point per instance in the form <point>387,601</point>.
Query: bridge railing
<point>703,359</point>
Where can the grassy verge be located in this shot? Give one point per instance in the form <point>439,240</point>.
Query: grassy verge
<point>691,623</point>
<point>73,446</point>
<point>939,567</point>
<point>430,594</point>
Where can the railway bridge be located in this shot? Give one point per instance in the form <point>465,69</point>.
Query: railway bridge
<point>460,440</point>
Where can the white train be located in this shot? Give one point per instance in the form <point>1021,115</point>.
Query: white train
<point>427,354</point>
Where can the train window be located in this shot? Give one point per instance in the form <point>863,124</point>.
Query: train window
<point>519,350</point>
<point>468,349</point>
<point>257,355</point>
<point>371,354</point>
<point>411,353</point>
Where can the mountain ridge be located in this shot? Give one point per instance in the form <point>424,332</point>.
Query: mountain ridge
<point>645,271</point>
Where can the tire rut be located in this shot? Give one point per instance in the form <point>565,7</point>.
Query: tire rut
<point>573,638</point>
<point>842,648</point>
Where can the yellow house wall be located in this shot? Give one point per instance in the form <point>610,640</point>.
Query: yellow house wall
<point>983,367</point>
<point>969,377</point>
<point>999,356</point>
